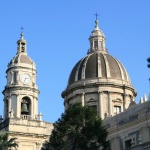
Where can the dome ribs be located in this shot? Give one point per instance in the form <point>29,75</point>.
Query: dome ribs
<point>123,75</point>
<point>107,66</point>
<point>114,67</point>
<point>91,70</point>
<point>99,65</point>
<point>126,74</point>
<point>81,68</point>
<point>103,66</point>
<point>73,73</point>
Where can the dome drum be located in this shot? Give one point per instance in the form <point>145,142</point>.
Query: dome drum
<point>96,96</point>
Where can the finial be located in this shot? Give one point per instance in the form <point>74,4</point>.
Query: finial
<point>96,15</point>
<point>96,21</point>
<point>21,32</point>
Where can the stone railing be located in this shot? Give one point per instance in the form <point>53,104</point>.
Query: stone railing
<point>26,117</point>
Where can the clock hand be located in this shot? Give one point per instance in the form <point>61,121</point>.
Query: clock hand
<point>25,79</point>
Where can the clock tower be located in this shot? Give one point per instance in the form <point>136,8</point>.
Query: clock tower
<point>21,91</point>
<point>21,117</point>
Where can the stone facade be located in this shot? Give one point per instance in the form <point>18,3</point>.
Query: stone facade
<point>21,117</point>
<point>131,128</point>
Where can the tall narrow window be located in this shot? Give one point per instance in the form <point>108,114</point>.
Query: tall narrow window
<point>15,77</point>
<point>96,44</point>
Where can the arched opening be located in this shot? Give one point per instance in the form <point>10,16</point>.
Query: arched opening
<point>25,106</point>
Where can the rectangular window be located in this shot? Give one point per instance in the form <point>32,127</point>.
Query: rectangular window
<point>117,109</point>
<point>15,77</point>
<point>128,143</point>
<point>95,44</point>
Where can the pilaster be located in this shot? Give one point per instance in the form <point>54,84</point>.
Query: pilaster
<point>110,103</point>
<point>100,105</point>
<point>82,97</point>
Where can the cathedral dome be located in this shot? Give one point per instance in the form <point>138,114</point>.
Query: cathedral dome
<point>99,65</point>
<point>99,77</point>
<point>99,80</point>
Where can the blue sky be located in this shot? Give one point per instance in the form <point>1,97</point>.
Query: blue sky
<point>57,33</point>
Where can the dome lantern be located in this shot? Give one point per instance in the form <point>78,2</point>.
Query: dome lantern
<point>97,40</point>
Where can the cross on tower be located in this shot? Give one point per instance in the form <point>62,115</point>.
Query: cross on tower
<point>96,15</point>
<point>22,29</point>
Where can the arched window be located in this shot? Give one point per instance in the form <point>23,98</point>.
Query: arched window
<point>25,106</point>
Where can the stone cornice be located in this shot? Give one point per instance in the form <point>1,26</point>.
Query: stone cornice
<point>14,88</point>
<point>29,134</point>
<point>20,67</point>
<point>74,87</point>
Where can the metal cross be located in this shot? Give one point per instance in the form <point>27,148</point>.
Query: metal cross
<point>96,15</point>
<point>22,29</point>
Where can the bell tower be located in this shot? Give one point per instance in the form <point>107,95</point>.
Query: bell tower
<point>21,91</point>
<point>21,118</point>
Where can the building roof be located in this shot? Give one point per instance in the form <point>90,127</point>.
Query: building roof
<point>98,65</point>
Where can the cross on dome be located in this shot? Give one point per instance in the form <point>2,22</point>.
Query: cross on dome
<point>96,15</point>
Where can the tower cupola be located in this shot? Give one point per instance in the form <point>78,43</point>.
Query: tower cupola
<point>21,45</point>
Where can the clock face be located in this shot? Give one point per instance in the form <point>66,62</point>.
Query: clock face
<point>25,78</point>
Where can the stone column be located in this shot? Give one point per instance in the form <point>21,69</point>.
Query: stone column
<point>83,100</point>
<point>11,79</point>
<point>17,77</point>
<point>4,113</point>
<point>9,104</point>
<point>32,107</point>
<point>100,105</point>
<point>18,110</point>
<point>110,104</point>
<point>124,102</point>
